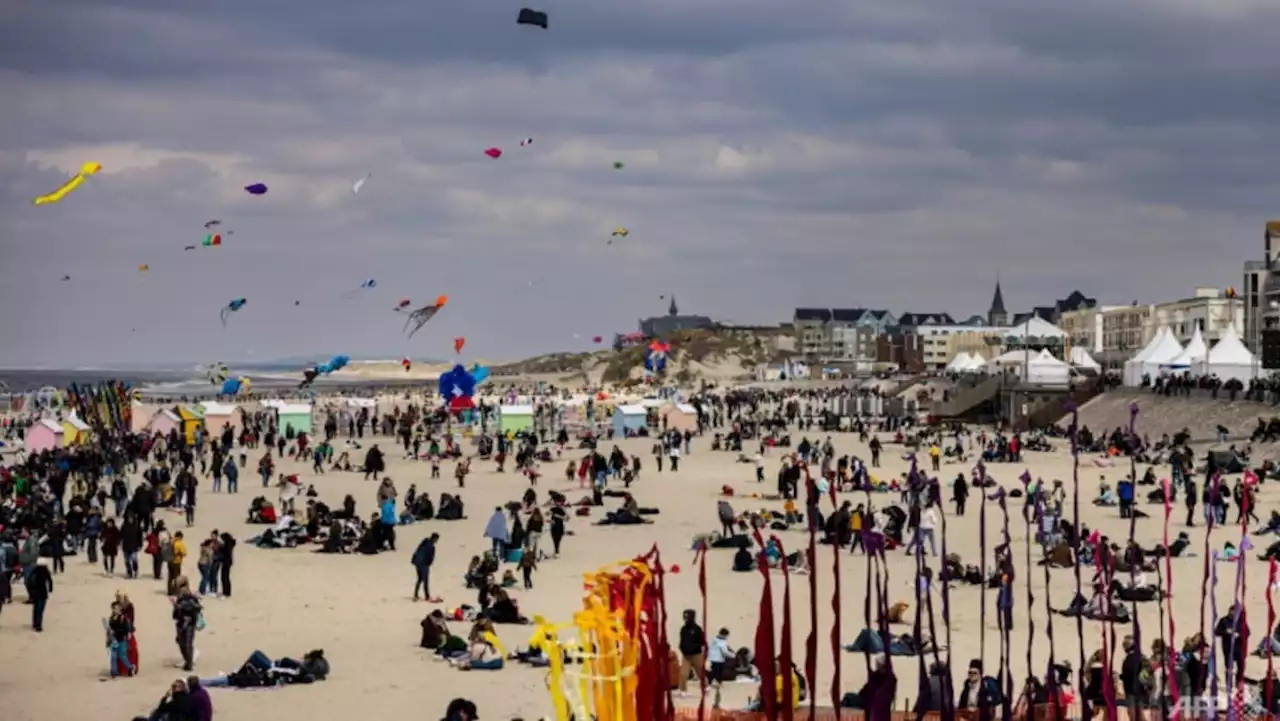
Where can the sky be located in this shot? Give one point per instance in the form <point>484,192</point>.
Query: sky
<point>879,153</point>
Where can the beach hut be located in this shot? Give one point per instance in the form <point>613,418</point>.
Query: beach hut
<point>43,436</point>
<point>629,418</point>
<point>191,418</point>
<point>163,421</point>
<point>297,415</point>
<point>220,415</point>
<point>74,431</point>
<point>513,419</point>
<point>140,416</point>
<point>680,417</point>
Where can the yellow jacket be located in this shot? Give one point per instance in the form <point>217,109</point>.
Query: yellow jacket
<point>179,550</point>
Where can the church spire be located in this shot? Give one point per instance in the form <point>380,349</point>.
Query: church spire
<point>997,315</point>
<point>673,310</point>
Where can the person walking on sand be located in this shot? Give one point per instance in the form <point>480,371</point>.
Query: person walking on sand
<point>693,646</point>
<point>186,617</point>
<point>110,546</point>
<point>423,557</point>
<point>177,554</point>
<point>130,543</point>
<point>39,586</point>
<point>223,558</point>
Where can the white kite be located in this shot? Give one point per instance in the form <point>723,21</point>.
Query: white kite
<point>355,189</point>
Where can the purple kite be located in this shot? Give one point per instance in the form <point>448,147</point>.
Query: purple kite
<point>494,153</point>
<point>256,189</point>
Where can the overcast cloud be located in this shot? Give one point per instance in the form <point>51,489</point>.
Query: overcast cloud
<point>883,153</point>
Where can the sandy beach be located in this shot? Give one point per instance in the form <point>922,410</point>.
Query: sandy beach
<point>359,608</point>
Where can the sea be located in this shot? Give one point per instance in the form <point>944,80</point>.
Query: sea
<point>190,382</point>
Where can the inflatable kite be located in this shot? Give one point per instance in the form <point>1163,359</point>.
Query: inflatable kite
<point>655,358</point>
<point>532,17</point>
<point>216,373</point>
<point>212,239</point>
<point>408,364</point>
<point>234,386</point>
<point>232,307</point>
<point>458,343</point>
<point>597,339</point>
<point>479,373</point>
<point>419,317</point>
<point>458,386</point>
<point>256,189</point>
<point>308,377</point>
<point>75,182</point>
<point>355,188</point>
<point>494,153</point>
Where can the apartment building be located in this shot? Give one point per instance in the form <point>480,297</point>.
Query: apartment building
<point>1113,334</point>
<point>841,334</point>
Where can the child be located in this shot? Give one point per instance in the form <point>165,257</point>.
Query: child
<point>528,562</point>
<point>435,465</point>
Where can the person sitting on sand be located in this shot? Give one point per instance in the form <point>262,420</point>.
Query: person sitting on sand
<point>503,608</point>
<point>743,561</point>
<point>482,656</point>
<point>1106,497</point>
<point>435,630</point>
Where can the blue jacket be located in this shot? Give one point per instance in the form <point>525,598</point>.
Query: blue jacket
<point>389,512</point>
<point>425,554</point>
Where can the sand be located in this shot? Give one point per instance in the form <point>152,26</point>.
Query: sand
<point>358,608</point>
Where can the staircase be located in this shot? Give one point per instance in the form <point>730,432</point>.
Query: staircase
<point>965,399</point>
<point>1051,412</point>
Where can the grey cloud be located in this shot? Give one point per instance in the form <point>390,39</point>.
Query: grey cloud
<point>876,153</point>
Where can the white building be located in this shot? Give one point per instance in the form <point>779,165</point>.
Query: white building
<point>1113,334</point>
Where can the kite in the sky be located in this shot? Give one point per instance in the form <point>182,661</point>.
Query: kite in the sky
<point>232,307</point>
<point>143,268</point>
<point>408,364</point>
<point>234,386</point>
<point>216,373</point>
<point>526,142</point>
<point>256,189</point>
<point>212,239</point>
<point>458,343</point>
<point>419,317</point>
<point>212,223</point>
<point>66,278</point>
<point>76,180</point>
<point>369,284</point>
<point>308,377</point>
<point>188,247</point>
<point>402,305</point>
<point>355,189</point>
<point>494,153</point>
<point>619,165</point>
<point>597,339</point>
<point>532,17</point>
<point>618,233</point>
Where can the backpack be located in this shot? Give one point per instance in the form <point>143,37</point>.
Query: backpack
<point>166,550</point>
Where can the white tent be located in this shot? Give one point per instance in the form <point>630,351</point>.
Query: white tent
<point>1080,358</point>
<point>977,363</point>
<point>960,363</point>
<point>1043,368</point>
<point>1162,348</point>
<point>1229,359</point>
<point>1195,352</point>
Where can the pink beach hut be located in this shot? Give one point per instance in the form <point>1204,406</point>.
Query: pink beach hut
<point>140,416</point>
<point>44,435</point>
<point>164,421</point>
<point>218,415</point>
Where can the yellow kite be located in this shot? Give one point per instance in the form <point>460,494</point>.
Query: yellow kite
<point>85,171</point>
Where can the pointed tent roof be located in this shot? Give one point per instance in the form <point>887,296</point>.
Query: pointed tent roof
<point>1145,353</point>
<point>960,362</point>
<point>1166,350</point>
<point>978,360</point>
<point>1081,358</point>
<point>1195,351</point>
<point>1229,350</point>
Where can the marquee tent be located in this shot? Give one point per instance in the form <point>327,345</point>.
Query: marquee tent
<point>1195,352</point>
<point>1162,349</point>
<point>1229,359</point>
<point>1044,369</point>
<point>1080,358</point>
<point>960,363</point>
